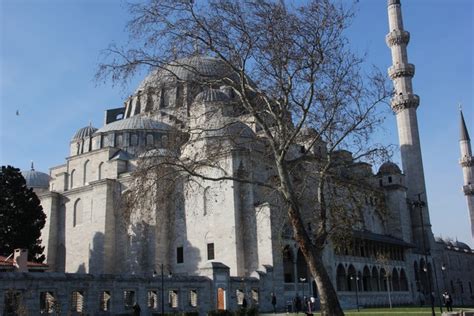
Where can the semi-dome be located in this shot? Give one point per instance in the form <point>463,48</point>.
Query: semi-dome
<point>389,168</point>
<point>212,95</point>
<point>137,122</point>
<point>196,68</point>
<point>36,179</point>
<point>84,132</point>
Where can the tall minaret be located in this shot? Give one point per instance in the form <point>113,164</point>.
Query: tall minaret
<point>467,163</point>
<point>404,104</point>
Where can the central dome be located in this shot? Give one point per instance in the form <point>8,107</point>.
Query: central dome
<point>197,68</point>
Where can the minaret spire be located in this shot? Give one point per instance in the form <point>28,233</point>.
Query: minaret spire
<point>404,104</point>
<point>464,132</point>
<point>467,164</point>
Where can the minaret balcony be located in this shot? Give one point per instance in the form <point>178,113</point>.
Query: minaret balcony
<point>397,37</point>
<point>466,161</point>
<point>405,101</point>
<point>405,70</point>
<point>468,189</point>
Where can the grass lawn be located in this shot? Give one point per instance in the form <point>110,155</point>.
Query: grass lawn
<point>396,311</point>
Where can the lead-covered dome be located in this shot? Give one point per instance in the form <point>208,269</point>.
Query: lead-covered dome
<point>196,68</point>
<point>84,133</point>
<point>36,179</point>
<point>137,122</point>
<point>389,168</point>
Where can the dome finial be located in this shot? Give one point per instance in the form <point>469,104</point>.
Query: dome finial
<point>32,166</point>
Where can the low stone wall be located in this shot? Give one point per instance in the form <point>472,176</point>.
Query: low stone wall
<point>84,294</point>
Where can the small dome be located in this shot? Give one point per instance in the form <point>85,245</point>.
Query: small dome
<point>36,179</point>
<point>389,168</point>
<point>461,245</point>
<point>137,122</point>
<point>84,132</point>
<point>212,95</point>
<point>232,129</point>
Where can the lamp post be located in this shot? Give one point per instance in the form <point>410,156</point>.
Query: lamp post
<point>302,280</point>
<point>420,204</point>
<point>437,288</point>
<point>443,270</point>
<point>357,289</point>
<point>162,290</point>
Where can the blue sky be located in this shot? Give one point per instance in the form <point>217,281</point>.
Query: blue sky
<point>49,51</point>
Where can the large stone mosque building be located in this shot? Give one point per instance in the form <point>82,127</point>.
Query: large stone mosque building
<point>219,241</point>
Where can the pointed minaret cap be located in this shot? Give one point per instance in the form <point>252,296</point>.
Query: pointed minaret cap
<point>464,133</point>
<point>390,2</point>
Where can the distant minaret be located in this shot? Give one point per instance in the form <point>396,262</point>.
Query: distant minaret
<point>404,104</point>
<point>467,163</point>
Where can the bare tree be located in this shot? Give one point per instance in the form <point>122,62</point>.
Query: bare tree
<point>295,81</point>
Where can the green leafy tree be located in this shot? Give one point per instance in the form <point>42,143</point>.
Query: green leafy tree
<point>21,215</point>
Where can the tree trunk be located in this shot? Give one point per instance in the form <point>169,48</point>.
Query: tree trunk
<point>312,252</point>
<point>327,295</point>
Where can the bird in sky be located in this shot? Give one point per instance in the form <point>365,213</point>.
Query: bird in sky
<point>17,113</point>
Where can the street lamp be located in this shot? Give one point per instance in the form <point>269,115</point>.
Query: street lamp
<point>162,287</point>
<point>302,280</point>
<point>420,204</point>
<point>443,270</point>
<point>357,289</point>
<point>437,288</point>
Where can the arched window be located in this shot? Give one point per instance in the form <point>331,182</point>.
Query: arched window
<point>351,278</point>
<point>341,278</point>
<point>150,140</point>
<point>395,280</point>
<point>417,276</point>
<point>366,286</point>
<point>77,220</point>
<point>164,141</point>
<point>288,270</point>
<point>118,140</point>
<point>100,170</point>
<point>375,279</point>
<point>424,277</point>
<point>403,281</point>
<point>86,173</point>
<point>383,280</point>
<point>301,266</point>
<point>73,172</point>
<point>133,140</point>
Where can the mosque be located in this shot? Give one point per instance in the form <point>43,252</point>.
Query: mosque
<point>213,223</point>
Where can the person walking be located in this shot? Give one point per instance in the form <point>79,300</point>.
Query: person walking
<point>297,304</point>
<point>274,302</point>
<point>448,301</point>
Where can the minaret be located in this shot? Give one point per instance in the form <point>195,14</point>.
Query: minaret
<point>467,163</point>
<point>404,104</point>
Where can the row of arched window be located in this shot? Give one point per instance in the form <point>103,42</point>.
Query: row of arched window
<point>371,249</point>
<point>370,280</point>
<point>86,174</point>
